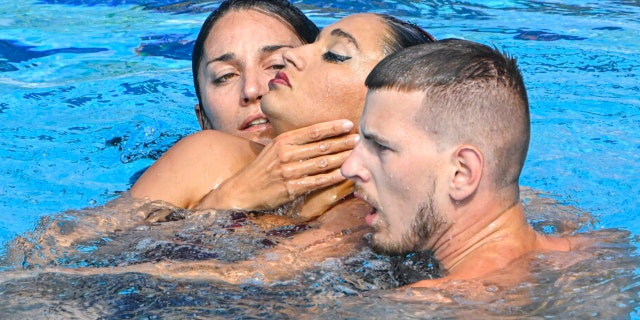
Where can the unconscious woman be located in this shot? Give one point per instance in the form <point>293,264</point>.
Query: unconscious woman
<point>238,50</point>
<point>200,169</point>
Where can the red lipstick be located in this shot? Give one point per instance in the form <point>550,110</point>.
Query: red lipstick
<point>280,79</point>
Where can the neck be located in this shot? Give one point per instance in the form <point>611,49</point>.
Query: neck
<point>486,233</point>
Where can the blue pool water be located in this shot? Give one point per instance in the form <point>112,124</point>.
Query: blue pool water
<point>94,91</point>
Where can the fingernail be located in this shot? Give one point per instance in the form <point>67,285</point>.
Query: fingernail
<point>347,125</point>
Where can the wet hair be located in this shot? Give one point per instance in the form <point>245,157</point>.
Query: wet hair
<point>403,34</point>
<point>474,94</point>
<point>282,10</point>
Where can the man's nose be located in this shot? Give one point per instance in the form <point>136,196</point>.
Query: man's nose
<point>352,167</point>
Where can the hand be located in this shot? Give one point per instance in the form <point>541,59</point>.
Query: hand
<point>294,163</point>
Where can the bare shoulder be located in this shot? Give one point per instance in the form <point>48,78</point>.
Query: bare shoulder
<point>212,142</point>
<point>565,243</point>
<point>193,166</point>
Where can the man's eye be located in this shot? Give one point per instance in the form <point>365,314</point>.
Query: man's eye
<point>378,146</point>
<point>224,78</point>
<point>336,58</point>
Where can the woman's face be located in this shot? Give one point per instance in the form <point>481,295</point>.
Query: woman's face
<point>324,80</point>
<point>241,54</point>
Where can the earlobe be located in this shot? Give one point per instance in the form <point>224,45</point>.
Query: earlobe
<point>468,164</point>
<point>202,117</point>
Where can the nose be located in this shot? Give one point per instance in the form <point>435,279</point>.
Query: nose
<point>254,86</point>
<point>294,57</point>
<point>352,168</point>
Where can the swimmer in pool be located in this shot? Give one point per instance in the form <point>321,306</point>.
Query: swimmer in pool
<point>337,62</point>
<point>238,50</point>
<point>198,170</point>
<point>448,181</point>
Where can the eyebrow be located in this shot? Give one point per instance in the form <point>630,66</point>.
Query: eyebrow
<point>266,49</point>
<point>274,48</point>
<point>343,34</point>
<point>222,58</point>
<point>370,136</point>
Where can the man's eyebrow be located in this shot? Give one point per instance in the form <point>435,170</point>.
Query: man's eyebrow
<point>343,34</point>
<point>370,136</point>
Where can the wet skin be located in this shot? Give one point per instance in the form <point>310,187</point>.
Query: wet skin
<point>242,53</point>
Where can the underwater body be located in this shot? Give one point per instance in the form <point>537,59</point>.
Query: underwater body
<point>86,110</point>
<point>36,282</point>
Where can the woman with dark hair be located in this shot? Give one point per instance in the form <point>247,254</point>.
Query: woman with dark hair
<point>211,170</point>
<point>238,50</point>
<point>321,81</point>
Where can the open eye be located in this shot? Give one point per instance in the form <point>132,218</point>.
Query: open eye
<point>277,66</point>
<point>274,62</point>
<point>335,58</point>
<point>224,78</point>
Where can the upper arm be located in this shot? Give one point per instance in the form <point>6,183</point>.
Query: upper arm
<point>193,166</point>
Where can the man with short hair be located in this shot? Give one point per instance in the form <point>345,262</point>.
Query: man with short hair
<point>444,136</point>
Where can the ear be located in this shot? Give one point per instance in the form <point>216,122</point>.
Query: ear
<point>468,164</point>
<point>202,118</point>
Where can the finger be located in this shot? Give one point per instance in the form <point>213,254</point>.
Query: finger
<point>324,147</point>
<point>314,166</point>
<point>317,132</point>
<point>298,187</point>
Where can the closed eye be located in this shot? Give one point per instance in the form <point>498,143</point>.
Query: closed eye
<point>376,145</point>
<point>380,147</point>
<point>334,57</point>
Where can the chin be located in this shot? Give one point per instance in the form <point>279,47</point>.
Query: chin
<point>383,245</point>
<point>272,105</point>
<point>262,140</point>
<point>402,243</point>
<point>261,137</point>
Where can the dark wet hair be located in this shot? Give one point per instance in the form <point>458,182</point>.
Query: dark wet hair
<point>403,34</point>
<point>473,94</point>
<point>282,10</point>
